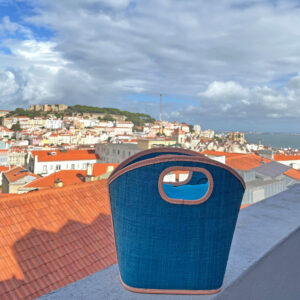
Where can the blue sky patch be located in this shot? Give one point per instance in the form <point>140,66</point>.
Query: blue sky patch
<point>18,11</point>
<point>5,50</point>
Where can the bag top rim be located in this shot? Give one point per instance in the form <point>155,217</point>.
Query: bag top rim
<point>174,158</point>
<point>125,162</point>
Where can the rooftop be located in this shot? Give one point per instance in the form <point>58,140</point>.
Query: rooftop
<point>264,260</point>
<point>246,162</point>
<point>51,238</point>
<point>283,157</point>
<point>68,177</point>
<point>17,173</point>
<point>46,155</point>
<point>295,174</point>
<point>59,242</point>
<point>220,153</point>
<point>272,169</point>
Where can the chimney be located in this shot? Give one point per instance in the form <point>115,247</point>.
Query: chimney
<point>58,183</point>
<point>109,169</point>
<point>89,173</point>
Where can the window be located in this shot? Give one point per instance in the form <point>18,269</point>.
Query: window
<point>58,167</point>
<point>84,166</point>
<point>44,169</point>
<point>51,167</point>
<point>73,166</point>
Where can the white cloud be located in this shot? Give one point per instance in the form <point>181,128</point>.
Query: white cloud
<point>7,27</point>
<point>233,102</point>
<point>8,86</point>
<point>236,57</point>
<point>223,90</point>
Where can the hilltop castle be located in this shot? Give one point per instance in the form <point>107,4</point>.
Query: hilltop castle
<point>47,107</point>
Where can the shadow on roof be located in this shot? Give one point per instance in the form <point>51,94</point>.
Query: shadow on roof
<point>50,260</point>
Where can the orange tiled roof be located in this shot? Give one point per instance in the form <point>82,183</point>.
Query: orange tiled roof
<point>3,168</point>
<point>17,173</point>
<point>219,153</point>
<point>68,177</point>
<point>245,162</point>
<point>282,157</point>
<point>295,174</point>
<point>100,168</point>
<point>51,238</point>
<point>44,155</point>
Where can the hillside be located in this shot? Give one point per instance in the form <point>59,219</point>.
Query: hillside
<point>137,118</point>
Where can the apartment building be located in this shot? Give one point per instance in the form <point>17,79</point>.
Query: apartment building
<point>16,178</point>
<point>115,153</point>
<point>16,156</point>
<point>45,162</point>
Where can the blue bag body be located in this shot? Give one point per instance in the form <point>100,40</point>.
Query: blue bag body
<point>174,238</point>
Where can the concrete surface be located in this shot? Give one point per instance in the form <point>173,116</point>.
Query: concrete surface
<point>264,261</point>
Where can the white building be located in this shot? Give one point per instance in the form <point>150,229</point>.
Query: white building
<point>6,133</point>
<point>197,128</point>
<point>54,123</point>
<point>208,134</point>
<point>288,160</point>
<point>23,121</point>
<point>85,123</point>
<point>124,124</point>
<point>46,162</point>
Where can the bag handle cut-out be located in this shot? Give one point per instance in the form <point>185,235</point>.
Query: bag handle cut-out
<point>191,171</point>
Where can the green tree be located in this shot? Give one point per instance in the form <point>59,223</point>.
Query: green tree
<point>108,117</point>
<point>16,127</point>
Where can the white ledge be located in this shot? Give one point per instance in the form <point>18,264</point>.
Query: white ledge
<point>264,261</point>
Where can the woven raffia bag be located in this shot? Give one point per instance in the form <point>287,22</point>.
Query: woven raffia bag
<point>174,237</point>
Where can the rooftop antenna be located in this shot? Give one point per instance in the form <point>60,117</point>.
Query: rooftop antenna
<point>160,101</point>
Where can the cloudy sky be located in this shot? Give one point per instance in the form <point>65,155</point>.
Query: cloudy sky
<point>224,64</point>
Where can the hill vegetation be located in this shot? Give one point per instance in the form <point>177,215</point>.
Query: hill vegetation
<point>137,118</point>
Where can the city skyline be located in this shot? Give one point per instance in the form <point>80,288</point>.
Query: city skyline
<point>227,65</point>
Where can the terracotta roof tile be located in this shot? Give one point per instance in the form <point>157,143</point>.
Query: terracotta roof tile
<point>283,157</point>
<point>100,168</point>
<point>246,162</point>
<point>219,153</point>
<point>17,173</point>
<point>53,237</point>
<point>45,155</point>
<point>295,174</point>
<point>68,177</point>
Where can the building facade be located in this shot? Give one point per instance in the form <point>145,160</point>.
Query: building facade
<point>46,162</point>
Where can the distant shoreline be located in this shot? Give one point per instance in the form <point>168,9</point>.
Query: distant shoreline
<point>274,140</point>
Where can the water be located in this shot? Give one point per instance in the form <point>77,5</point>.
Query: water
<point>275,140</point>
